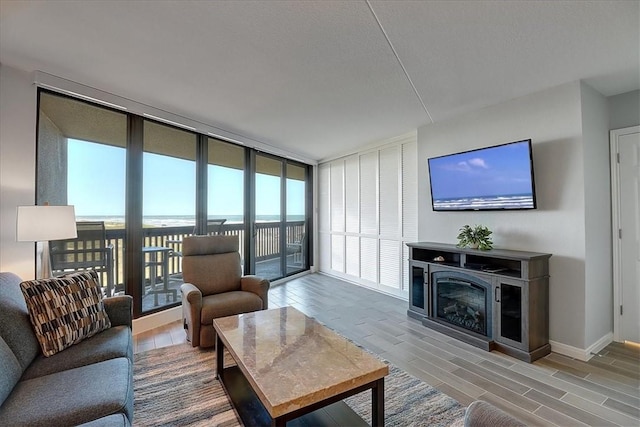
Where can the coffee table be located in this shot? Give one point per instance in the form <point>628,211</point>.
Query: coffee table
<point>289,365</point>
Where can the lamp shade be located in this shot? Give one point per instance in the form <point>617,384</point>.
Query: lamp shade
<point>44,223</point>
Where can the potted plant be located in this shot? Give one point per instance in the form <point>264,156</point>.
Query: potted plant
<point>477,237</point>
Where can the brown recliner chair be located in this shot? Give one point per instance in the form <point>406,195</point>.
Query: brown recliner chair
<point>214,286</point>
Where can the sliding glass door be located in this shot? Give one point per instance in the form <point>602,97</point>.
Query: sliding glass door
<point>268,218</point>
<point>280,228</point>
<point>296,224</point>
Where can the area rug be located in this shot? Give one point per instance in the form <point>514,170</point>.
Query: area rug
<point>176,386</point>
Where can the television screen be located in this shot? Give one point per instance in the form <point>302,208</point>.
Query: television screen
<point>492,178</point>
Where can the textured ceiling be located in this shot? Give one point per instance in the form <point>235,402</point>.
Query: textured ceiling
<point>320,78</point>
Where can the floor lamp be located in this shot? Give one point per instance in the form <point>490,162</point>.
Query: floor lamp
<point>42,224</point>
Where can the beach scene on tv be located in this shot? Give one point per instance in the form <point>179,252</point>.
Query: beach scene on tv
<point>492,178</point>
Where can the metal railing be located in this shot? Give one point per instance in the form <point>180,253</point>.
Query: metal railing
<point>267,243</point>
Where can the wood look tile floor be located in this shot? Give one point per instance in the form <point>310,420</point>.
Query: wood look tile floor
<point>555,390</point>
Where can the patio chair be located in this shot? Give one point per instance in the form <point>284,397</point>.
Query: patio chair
<point>214,286</point>
<point>296,251</point>
<point>214,228</point>
<point>88,251</point>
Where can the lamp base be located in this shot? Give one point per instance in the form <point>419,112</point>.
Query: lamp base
<point>43,265</point>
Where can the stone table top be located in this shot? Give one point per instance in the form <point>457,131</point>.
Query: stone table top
<point>292,361</point>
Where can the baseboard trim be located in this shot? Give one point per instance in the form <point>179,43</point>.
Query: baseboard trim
<point>155,320</point>
<point>580,353</point>
<point>289,278</point>
<point>597,346</point>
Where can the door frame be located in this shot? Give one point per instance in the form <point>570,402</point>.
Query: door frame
<point>614,136</point>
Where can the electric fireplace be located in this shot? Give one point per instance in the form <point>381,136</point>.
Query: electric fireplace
<point>462,300</point>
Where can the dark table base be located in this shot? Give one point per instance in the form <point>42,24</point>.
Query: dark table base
<point>330,412</point>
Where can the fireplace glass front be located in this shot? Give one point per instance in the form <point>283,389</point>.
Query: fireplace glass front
<point>462,300</point>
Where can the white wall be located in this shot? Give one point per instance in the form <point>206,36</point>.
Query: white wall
<point>17,166</point>
<point>552,119</point>
<point>597,183</point>
<point>624,110</point>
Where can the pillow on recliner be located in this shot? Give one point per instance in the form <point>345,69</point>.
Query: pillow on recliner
<point>65,310</point>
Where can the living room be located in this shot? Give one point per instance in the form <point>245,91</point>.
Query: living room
<point>568,121</point>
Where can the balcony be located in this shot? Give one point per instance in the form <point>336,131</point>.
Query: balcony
<point>268,256</point>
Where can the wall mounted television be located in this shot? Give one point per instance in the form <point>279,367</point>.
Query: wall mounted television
<point>492,178</point>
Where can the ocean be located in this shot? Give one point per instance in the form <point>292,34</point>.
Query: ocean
<point>180,220</point>
<point>516,201</point>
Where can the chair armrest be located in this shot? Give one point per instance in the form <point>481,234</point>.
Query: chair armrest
<point>191,294</point>
<point>119,309</point>
<point>258,286</point>
<point>191,312</point>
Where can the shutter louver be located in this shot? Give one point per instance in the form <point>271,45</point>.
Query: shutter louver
<point>352,201</point>
<point>337,196</point>
<point>369,259</point>
<point>390,263</point>
<point>389,193</point>
<point>368,194</point>
<point>324,201</point>
<point>352,255</point>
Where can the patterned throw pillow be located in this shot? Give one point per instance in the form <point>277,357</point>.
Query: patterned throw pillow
<point>65,310</point>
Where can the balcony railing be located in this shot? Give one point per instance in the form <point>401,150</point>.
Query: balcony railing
<point>267,243</point>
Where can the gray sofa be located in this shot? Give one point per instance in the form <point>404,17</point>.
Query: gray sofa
<point>483,414</point>
<point>88,383</point>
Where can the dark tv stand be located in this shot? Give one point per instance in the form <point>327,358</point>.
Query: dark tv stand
<point>519,298</point>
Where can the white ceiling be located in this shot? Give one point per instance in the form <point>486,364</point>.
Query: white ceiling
<point>321,78</point>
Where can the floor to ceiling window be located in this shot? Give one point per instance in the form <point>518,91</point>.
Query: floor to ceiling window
<point>226,190</point>
<point>81,157</point>
<point>168,210</point>
<point>145,186</point>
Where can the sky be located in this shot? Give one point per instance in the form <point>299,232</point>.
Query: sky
<point>501,170</point>
<point>96,185</point>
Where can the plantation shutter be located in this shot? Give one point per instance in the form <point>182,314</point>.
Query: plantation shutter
<point>409,205</point>
<point>324,214</point>
<point>370,213</point>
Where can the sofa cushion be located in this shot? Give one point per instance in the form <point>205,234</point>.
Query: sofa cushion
<point>115,420</point>
<point>15,327</point>
<point>228,304</point>
<point>72,397</point>
<point>64,311</point>
<point>110,344</point>
<point>11,370</point>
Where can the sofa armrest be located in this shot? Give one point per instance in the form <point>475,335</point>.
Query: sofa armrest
<point>258,286</point>
<point>119,309</point>
<point>481,413</point>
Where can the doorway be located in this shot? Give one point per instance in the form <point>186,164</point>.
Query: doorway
<point>625,198</point>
